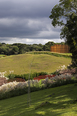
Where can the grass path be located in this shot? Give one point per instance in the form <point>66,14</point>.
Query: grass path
<point>58,101</point>
<point>40,63</point>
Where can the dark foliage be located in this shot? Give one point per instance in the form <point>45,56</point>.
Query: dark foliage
<point>18,48</point>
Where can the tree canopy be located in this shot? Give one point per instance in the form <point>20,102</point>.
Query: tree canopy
<point>61,12</point>
<point>19,48</point>
<point>65,14</point>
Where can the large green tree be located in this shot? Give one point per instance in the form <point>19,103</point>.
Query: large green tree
<point>65,14</point>
<point>71,36</point>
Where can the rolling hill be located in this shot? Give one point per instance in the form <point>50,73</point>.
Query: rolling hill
<point>26,63</point>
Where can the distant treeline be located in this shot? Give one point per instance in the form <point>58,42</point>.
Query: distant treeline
<point>19,48</point>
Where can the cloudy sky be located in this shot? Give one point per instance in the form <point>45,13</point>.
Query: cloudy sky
<point>27,21</point>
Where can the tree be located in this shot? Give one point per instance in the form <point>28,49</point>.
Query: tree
<point>47,46</point>
<point>63,10</point>
<point>65,14</point>
<point>72,37</point>
<point>15,50</point>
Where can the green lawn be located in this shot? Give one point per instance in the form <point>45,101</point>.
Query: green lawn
<point>39,63</point>
<point>58,101</point>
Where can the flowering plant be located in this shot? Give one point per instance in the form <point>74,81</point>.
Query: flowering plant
<point>16,85</point>
<point>17,88</point>
<point>59,80</point>
<point>43,77</point>
<point>2,75</point>
<point>63,67</point>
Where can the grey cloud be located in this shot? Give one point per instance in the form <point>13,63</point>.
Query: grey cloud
<point>25,8</point>
<point>27,19</point>
<point>27,28</point>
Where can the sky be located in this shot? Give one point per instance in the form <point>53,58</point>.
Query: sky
<point>27,21</point>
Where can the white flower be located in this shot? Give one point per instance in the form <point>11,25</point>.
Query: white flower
<point>2,74</point>
<point>61,67</point>
<point>8,86</point>
<point>11,71</point>
<point>21,85</point>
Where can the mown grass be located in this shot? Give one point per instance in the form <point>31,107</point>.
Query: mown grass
<point>26,63</point>
<point>58,101</point>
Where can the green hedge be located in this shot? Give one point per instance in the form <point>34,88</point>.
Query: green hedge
<point>67,55</point>
<point>26,76</point>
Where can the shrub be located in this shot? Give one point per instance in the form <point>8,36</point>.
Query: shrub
<point>26,76</point>
<point>18,88</point>
<point>51,53</point>
<point>11,76</point>
<point>60,80</point>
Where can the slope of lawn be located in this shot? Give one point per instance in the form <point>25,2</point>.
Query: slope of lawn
<point>24,63</point>
<point>58,101</point>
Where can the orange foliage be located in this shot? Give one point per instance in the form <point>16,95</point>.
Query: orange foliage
<point>60,48</point>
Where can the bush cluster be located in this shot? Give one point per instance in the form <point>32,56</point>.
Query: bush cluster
<point>51,53</point>
<point>19,48</point>
<point>18,88</point>
<point>26,76</point>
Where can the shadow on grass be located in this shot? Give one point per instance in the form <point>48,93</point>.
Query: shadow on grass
<point>59,101</point>
<point>50,102</point>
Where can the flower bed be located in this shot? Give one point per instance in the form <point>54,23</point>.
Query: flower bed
<point>18,88</point>
<point>2,81</point>
<point>43,77</point>
<point>16,79</point>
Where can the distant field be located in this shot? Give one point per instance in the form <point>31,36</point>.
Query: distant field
<point>58,101</point>
<point>25,63</point>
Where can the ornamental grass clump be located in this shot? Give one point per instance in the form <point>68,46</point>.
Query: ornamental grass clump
<point>2,75</point>
<point>8,87</point>
<point>75,76</point>
<point>34,83</point>
<point>61,68</point>
<point>21,85</point>
<point>59,80</point>
<point>17,88</point>
<point>17,85</point>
